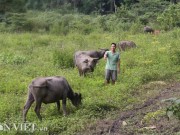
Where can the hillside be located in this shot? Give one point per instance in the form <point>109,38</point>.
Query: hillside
<point>25,56</point>
<point>146,118</point>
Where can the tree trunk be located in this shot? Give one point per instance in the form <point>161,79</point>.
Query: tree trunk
<point>112,6</point>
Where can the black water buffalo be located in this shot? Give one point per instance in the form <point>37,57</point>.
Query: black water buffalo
<point>85,64</point>
<point>148,29</point>
<point>86,61</point>
<point>123,45</point>
<point>49,90</point>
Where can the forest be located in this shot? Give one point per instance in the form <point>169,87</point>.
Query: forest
<point>46,15</point>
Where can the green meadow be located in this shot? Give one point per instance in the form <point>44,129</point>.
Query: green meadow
<point>25,56</point>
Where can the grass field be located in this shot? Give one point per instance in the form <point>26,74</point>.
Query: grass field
<point>24,56</point>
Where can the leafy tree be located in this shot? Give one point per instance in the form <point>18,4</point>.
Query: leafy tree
<point>170,18</point>
<point>130,2</point>
<point>12,6</point>
<point>145,10</point>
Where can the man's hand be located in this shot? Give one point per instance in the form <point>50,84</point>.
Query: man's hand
<point>105,55</point>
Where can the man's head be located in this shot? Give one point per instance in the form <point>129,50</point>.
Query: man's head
<point>113,47</point>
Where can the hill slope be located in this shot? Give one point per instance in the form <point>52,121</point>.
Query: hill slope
<point>146,118</point>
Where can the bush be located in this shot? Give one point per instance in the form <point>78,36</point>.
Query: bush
<point>174,53</point>
<point>175,57</point>
<point>174,108</point>
<point>170,17</point>
<point>13,59</point>
<point>63,59</point>
<point>136,27</point>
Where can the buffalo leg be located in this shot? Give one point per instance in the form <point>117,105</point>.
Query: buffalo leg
<point>58,106</point>
<point>28,104</point>
<point>37,109</point>
<point>80,73</point>
<point>64,106</point>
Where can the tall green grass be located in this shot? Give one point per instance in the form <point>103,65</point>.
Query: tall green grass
<point>25,56</point>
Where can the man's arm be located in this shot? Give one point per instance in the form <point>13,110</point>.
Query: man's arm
<point>105,55</point>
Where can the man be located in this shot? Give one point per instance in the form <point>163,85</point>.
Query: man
<point>112,64</point>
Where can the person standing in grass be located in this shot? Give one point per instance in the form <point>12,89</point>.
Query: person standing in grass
<point>112,64</point>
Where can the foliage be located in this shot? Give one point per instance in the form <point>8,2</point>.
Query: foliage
<point>63,59</point>
<point>125,14</point>
<point>92,6</point>
<point>25,56</point>
<point>136,27</point>
<point>149,117</point>
<point>174,108</point>
<point>45,39</point>
<point>126,18</point>
<point>144,15</point>
<point>62,17</point>
<point>86,6</point>
<point>174,49</point>
<point>12,6</point>
<point>12,59</point>
<point>170,17</point>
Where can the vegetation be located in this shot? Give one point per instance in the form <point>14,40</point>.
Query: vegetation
<point>174,109</point>
<point>39,38</point>
<point>160,14</point>
<point>25,56</point>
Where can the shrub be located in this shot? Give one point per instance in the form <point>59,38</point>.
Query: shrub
<point>170,17</point>
<point>153,115</point>
<point>174,108</point>
<point>61,26</point>
<point>136,27</point>
<point>63,59</point>
<point>174,53</point>
<point>16,21</point>
<point>13,59</point>
<point>175,58</point>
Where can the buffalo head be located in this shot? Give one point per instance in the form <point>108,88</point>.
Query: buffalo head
<point>76,101</point>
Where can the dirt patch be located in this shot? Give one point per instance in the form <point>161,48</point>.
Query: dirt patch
<point>147,118</point>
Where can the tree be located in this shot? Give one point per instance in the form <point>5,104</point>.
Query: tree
<point>12,6</point>
<point>170,17</point>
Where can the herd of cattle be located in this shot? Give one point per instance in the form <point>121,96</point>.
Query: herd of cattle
<point>53,89</point>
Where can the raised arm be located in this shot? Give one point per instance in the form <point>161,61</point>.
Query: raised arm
<point>105,55</point>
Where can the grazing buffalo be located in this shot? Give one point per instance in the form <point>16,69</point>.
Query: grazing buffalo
<point>148,29</point>
<point>86,61</point>
<point>85,64</point>
<point>49,90</point>
<point>123,45</point>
